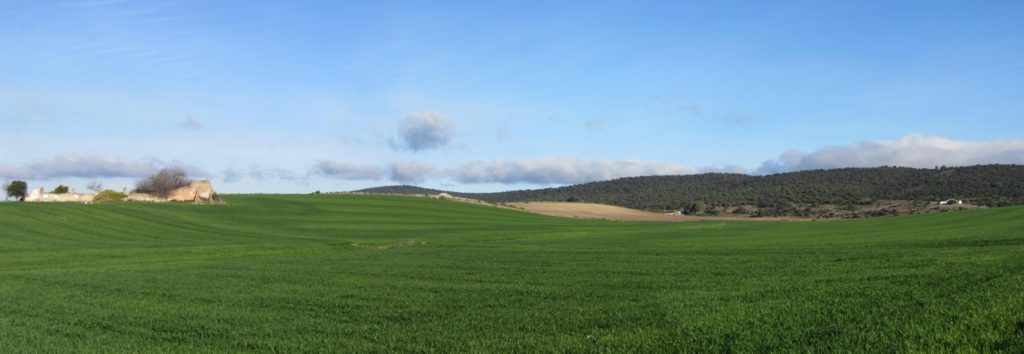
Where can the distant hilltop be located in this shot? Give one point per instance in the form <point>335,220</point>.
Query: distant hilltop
<point>847,192</point>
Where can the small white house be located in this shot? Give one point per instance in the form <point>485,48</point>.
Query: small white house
<point>951,202</point>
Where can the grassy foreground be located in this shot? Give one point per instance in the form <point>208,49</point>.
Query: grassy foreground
<point>365,273</point>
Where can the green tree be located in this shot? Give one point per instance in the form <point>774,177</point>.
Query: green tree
<point>17,189</point>
<point>61,189</point>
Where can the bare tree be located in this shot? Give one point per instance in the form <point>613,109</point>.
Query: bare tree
<point>95,186</point>
<point>163,182</point>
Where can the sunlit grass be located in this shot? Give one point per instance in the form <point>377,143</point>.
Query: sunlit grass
<point>364,273</point>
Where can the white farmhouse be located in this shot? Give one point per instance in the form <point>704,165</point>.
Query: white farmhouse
<point>951,202</point>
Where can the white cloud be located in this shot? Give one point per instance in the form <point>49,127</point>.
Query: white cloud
<point>560,170</point>
<point>913,150</point>
<point>410,172</point>
<point>420,131</point>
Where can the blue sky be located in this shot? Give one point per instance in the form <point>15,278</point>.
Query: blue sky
<point>296,96</point>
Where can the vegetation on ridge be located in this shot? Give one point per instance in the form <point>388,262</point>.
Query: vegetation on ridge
<point>796,193</point>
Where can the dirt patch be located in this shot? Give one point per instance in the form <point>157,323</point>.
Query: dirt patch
<point>609,212</point>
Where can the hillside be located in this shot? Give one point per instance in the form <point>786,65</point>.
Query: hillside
<point>357,273</point>
<point>403,189</point>
<point>840,192</point>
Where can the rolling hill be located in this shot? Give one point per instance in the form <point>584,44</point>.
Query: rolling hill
<point>358,273</point>
<point>839,192</point>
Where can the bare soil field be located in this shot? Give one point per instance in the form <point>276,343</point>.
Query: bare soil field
<point>609,212</point>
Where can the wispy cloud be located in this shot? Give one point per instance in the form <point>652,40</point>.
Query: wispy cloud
<point>90,3</point>
<point>260,174</point>
<point>347,171</point>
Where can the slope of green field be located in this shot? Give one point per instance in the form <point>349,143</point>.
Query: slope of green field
<point>371,273</point>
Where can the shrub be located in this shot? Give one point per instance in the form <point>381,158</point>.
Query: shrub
<point>61,189</point>
<point>108,196</point>
<point>698,207</point>
<point>163,182</point>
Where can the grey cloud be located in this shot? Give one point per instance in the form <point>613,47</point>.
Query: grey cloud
<point>594,124</point>
<point>560,170</point>
<point>91,166</point>
<point>86,166</point>
<point>347,171</point>
<point>402,172</point>
<point>420,131</point>
<point>914,150</point>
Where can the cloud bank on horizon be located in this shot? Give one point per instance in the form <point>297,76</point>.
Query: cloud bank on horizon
<point>90,166</point>
<point>915,150</point>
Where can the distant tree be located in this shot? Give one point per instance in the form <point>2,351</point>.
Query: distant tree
<point>61,189</point>
<point>572,199</point>
<point>163,182</point>
<point>17,189</point>
<point>95,186</point>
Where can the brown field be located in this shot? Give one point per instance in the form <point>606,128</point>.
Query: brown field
<point>609,212</point>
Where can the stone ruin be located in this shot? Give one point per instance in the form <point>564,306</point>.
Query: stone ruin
<point>198,192</point>
<point>38,195</point>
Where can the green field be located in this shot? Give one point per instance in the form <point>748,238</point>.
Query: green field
<point>368,273</point>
